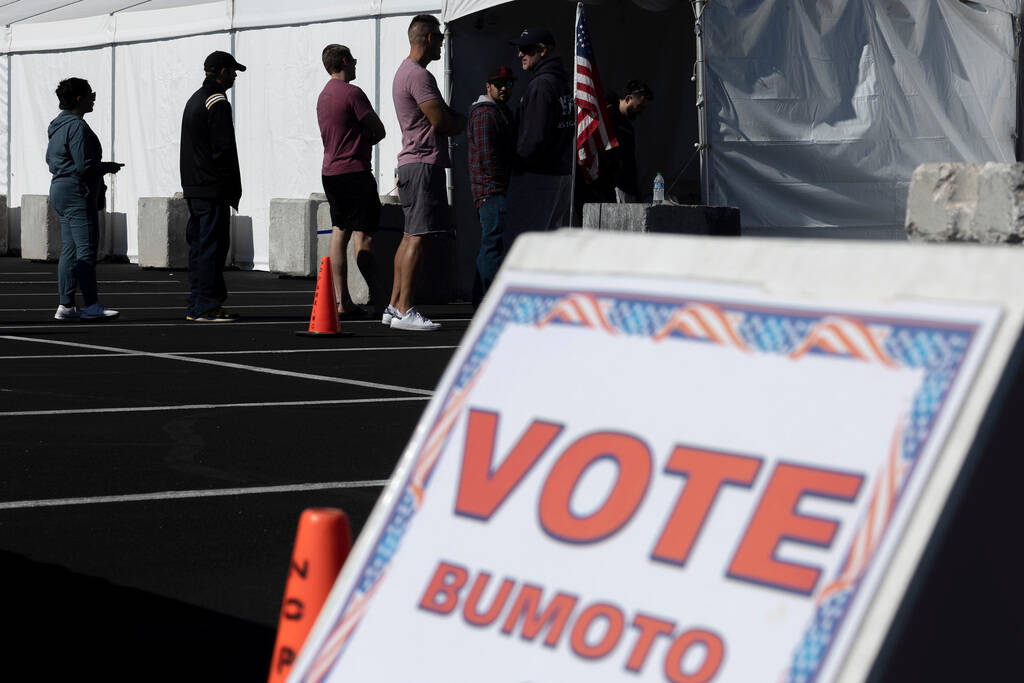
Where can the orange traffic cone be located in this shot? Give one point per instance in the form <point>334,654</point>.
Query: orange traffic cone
<point>321,545</point>
<point>323,321</point>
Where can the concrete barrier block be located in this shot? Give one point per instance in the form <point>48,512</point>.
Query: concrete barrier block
<point>4,241</point>
<point>663,218</point>
<point>40,229</point>
<point>293,237</point>
<point>162,225</point>
<point>955,202</point>
<point>435,276</point>
<point>323,225</point>
<point>357,286</point>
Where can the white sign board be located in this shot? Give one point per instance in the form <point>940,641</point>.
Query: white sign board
<point>660,479</point>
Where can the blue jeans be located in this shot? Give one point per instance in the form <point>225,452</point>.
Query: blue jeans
<point>209,235</point>
<point>492,244</point>
<point>80,238</point>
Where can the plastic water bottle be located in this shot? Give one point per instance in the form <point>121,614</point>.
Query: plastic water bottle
<point>659,189</point>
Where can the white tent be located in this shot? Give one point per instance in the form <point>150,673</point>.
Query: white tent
<point>813,114</point>
<point>145,60</point>
<point>818,112</point>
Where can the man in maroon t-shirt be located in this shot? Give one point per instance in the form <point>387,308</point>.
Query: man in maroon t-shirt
<point>349,128</point>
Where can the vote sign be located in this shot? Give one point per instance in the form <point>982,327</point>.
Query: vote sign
<point>624,478</point>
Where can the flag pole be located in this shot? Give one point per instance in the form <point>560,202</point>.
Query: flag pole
<point>575,134</point>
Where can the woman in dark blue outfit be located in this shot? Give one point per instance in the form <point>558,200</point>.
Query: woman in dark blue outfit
<point>77,194</point>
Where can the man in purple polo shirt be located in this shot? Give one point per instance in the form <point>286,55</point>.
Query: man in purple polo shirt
<point>349,128</point>
<point>426,122</point>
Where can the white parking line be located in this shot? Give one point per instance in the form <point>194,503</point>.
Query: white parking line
<point>256,352</point>
<point>99,282</point>
<point>160,308</point>
<point>223,364</point>
<point>207,406</point>
<point>180,495</point>
<point>184,323</point>
<point>174,292</point>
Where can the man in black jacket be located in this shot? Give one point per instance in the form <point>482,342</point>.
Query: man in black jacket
<point>616,168</point>
<point>539,194</point>
<point>211,183</point>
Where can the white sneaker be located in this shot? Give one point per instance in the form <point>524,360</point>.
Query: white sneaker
<point>390,313</point>
<point>97,312</point>
<point>66,313</point>
<point>412,320</point>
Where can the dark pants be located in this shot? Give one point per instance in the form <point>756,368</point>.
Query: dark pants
<point>492,244</point>
<point>209,236</point>
<point>79,236</point>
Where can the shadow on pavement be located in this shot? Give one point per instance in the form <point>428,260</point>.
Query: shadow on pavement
<point>63,623</point>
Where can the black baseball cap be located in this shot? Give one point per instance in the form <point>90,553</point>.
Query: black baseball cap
<point>219,59</point>
<point>502,73</point>
<point>534,36</point>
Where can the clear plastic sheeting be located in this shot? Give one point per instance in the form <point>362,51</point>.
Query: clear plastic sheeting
<point>818,113</point>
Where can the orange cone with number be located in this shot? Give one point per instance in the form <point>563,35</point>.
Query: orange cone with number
<point>323,321</point>
<point>322,543</point>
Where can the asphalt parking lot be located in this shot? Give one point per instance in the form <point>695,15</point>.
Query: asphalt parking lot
<point>156,468</point>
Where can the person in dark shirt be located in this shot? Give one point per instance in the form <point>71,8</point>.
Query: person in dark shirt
<point>349,129</point>
<point>212,184</point>
<point>492,147</point>
<point>73,155</point>
<point>426,122</point>
<point>616,167</point>
<point>539,193</point>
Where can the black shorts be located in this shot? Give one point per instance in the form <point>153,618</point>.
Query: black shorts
<point>354,202</point>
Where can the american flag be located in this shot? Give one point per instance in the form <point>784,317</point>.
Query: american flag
<point>592,130</point>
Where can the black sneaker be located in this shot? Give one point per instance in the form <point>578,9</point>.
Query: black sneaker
<point>216,315</point>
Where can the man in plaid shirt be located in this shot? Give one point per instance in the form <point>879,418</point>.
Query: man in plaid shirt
<point>492,145</point>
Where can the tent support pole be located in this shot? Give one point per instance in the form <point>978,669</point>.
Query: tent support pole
<point>448,70</point>
<point>113,125</point>
<point>376,101</point>
<point>575,132</point>
<point>1018,144</point>
<point>699,74</point>
<point>10,198</point>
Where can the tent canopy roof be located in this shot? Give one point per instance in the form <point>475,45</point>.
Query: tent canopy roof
<point>36,25</point>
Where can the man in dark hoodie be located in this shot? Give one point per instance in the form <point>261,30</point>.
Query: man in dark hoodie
<point>492,147</point>
<point>211,183</point>
<point>617,172</point>
<point>539,196</point>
